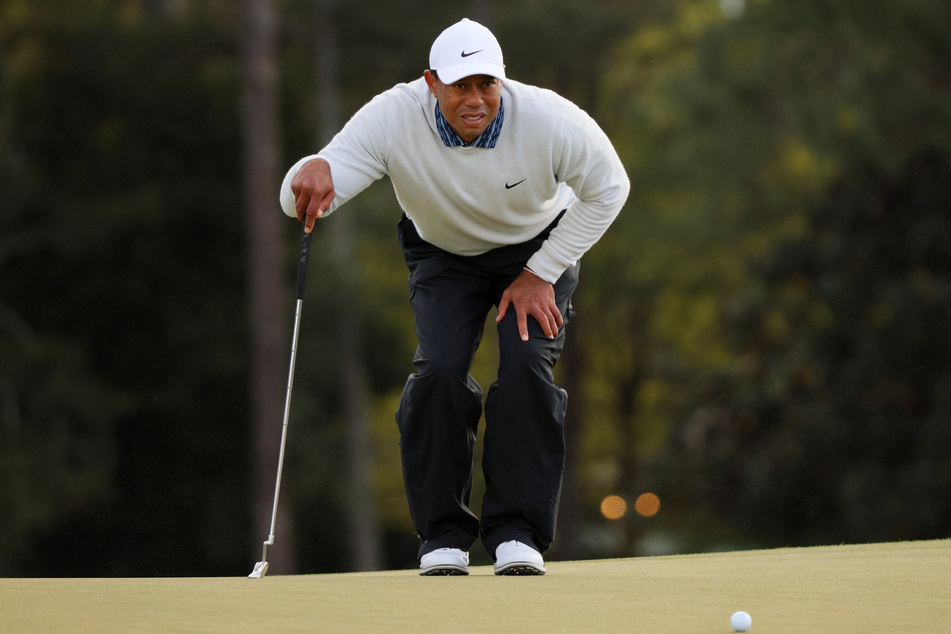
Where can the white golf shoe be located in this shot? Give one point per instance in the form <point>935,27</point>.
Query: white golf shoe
<point>444,561</point>
<point>516,558</point>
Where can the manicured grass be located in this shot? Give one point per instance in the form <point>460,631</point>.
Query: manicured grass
<point>901,587</point>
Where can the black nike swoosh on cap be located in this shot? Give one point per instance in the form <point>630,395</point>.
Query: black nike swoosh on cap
<point>507,186</point>
<point>464,54</point>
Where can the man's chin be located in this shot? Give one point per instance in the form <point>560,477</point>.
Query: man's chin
<point>469,132</point>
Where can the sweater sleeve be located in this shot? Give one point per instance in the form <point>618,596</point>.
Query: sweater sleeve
<point>589,164</point>
<point>357,155</point>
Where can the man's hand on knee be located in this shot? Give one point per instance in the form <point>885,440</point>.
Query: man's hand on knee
<point>531,295</point>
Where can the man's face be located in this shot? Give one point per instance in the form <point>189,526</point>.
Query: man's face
<point>469,105</point>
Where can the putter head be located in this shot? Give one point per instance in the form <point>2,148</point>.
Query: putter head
<point>260,569</point>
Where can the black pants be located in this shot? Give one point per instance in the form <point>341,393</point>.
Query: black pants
<point>439,412</point>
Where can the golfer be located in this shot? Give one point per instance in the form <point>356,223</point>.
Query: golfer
<point>503,187</point>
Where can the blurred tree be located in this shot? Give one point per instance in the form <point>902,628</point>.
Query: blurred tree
<point>737,130</point>
<point>760,340</point>
<point>351,357</point>
<point>846,423</point>
<point>267,295</point>
<point>122,346</point>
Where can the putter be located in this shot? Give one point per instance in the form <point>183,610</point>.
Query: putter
<point>260,568</point>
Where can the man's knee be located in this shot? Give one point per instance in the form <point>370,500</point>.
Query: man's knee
<point>525,359</point>
<point>443,363</point>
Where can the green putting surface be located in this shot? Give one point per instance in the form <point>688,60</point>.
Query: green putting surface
<point>901,587</point>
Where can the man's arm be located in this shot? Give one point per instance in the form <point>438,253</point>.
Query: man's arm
<point>357,154</point>
<point>592,169</point>
<point>587,162</point>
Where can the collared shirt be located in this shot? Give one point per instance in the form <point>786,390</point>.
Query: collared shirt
<point>487,139</point>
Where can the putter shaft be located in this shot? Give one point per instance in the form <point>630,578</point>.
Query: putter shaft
<point>260,569</point>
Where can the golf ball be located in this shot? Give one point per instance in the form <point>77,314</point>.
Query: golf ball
<point>741,621</point>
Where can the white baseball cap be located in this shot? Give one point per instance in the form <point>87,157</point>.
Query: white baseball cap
<point>466,48</point>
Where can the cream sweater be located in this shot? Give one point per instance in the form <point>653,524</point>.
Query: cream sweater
<point>550,156</point>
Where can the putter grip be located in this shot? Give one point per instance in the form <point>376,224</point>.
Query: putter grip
<point>302,264</point>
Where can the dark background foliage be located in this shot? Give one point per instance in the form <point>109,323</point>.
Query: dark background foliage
<point>763,337</point>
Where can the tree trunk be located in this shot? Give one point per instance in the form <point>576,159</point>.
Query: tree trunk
<point>362,523</point>
<point>269,309</point>
<point>570,511</point>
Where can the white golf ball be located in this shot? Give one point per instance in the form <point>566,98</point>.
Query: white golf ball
<point>741,621</point>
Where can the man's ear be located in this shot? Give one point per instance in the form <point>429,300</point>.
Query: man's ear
<point>430,81</point>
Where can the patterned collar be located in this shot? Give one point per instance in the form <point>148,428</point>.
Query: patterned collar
<point>487,139</point>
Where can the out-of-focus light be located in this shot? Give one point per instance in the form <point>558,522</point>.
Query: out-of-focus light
<point>613,507</point>
<point>733,9</point>
<point>647,505</point>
